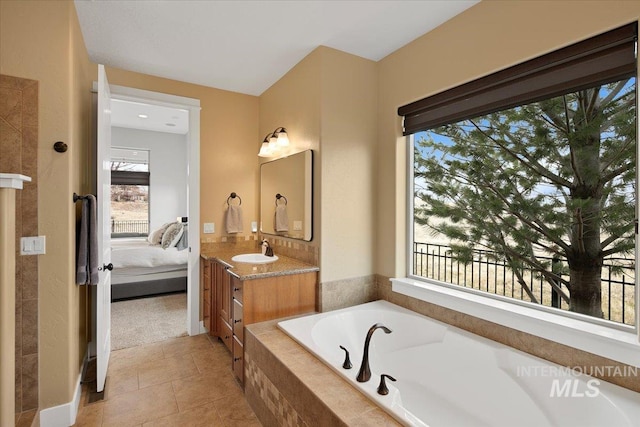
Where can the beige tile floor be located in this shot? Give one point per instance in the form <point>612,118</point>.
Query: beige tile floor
<point>184,381</point>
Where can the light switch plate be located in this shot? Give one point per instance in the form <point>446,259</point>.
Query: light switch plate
<point>35,245</point>
<point>209,227</point>
<point>254,226</point>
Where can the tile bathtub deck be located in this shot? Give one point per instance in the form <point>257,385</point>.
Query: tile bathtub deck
<point>184,381</point>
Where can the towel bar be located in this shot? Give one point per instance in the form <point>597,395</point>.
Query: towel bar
<point>280,196</point>
<point>76,197</point>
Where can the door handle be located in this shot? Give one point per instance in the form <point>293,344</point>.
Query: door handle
<point>106,267</point>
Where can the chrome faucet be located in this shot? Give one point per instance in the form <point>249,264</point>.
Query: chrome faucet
<point>364,374</point>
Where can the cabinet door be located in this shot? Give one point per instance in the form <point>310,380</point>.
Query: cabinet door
<point>238,359</point>
<point>206,286</point>
<point>223,281</point>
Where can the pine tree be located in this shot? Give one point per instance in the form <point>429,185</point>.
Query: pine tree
<point>552,178</point>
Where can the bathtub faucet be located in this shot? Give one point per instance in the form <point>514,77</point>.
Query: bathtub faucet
<point>364,374</point>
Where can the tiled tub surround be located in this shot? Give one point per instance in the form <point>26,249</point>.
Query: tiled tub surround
<point>447,376</point>
<point>287,385</point>
<point>19,154</point>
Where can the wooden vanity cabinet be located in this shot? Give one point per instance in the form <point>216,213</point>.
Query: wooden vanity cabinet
<point>229,304</point>
<point>257,300</point>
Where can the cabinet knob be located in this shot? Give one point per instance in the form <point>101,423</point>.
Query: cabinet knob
<point>236,289</point>
<point>235,359</point>
<point>237,321</point>
<point>226,337</point>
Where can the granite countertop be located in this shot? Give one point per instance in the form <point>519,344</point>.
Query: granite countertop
<point>245,271</point>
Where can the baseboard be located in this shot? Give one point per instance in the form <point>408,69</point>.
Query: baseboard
<point>63,415</point>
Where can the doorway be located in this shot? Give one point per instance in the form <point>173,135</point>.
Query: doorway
<point>190,107</point>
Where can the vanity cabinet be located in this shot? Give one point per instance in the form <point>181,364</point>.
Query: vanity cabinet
<point>234,303</point>
<point>260,299</point>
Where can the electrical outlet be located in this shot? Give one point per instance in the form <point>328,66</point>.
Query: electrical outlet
<point>297,225</point>
<point>209,227</point>
<point>254,226</point>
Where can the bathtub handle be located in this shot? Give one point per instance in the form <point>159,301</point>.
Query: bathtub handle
<point>382,388</point>
<point>347,362</point>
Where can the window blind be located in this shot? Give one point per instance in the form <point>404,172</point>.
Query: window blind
<point>598,60</point>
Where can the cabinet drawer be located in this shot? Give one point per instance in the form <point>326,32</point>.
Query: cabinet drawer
<point>238,359</point>
<point>237,284</point>
<point>227,335</point>
<point>238,323</point>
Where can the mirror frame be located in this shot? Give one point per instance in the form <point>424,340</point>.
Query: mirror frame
<point>267,200</point>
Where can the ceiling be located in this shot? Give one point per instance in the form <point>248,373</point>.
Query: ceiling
<point>246,46</point>
<point>135,115</point>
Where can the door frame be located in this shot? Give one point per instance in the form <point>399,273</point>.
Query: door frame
<point>194,325</point>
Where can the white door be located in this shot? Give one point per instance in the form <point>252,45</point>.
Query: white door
<point>103,292</point>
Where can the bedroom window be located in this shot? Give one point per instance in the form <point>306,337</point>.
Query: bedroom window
<point>523,183</point>
<point>129,192</point>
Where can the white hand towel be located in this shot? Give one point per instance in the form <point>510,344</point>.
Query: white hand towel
<point>234,219</point>
<point>281,218</point>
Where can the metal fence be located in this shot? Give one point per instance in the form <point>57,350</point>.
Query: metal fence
<point>139,227</point>
<point>490,273</point>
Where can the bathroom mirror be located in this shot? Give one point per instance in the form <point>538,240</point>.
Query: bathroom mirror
<point>291,178</point>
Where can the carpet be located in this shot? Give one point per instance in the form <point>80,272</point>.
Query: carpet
<point>147,320</point>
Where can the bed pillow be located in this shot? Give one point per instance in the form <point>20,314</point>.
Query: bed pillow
<point>172,235</point>
<point>155,237</point>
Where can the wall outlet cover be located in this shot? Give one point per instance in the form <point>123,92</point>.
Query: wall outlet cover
<point>209,227</point>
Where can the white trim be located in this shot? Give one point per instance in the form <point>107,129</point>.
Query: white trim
<point>13,180</point>
<point>193,191</point>
<point>616,344</point>
<point>203,330</point>
<point>63,415</point>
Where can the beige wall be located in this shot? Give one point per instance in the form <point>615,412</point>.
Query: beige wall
<point>327,102</point>
<point>41,40</point>
<point>348,167</point>
<point>229,145</point>
<point>488,37</point>
<point>293,102</point>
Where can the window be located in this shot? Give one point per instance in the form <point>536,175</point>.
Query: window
<point>129,192</point>
<point>524,182</point>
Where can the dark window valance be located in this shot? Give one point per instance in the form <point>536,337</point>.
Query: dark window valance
<point>601,59</point>
<point>129,178</point>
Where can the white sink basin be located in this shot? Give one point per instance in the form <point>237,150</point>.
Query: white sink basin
<point>254,258</point>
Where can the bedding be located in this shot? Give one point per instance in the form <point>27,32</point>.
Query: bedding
<point>127,253</point>
<point>142,269</point>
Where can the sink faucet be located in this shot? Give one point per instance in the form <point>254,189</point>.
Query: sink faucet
<point>266,248</point>
<point>364,374</point>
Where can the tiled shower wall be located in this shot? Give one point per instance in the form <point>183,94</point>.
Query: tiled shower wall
<point>18,154</point>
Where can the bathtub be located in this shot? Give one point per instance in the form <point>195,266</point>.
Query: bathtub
<point>449,377</point>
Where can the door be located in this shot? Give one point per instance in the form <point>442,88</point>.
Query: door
<point>103,291</point>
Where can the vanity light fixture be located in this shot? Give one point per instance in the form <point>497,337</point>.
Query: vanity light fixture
<point>273,142</point>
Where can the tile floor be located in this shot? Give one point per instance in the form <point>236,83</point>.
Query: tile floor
<point>183,381</point>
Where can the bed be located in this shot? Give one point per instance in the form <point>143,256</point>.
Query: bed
<point>141,269</point>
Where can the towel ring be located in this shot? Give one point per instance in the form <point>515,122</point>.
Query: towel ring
<point>280,196</point>
<point>233,196</point>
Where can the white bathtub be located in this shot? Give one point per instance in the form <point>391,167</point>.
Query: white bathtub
<point>450,377</point>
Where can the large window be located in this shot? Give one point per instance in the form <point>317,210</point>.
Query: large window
<point>129,192</point>
<point>524,182</point>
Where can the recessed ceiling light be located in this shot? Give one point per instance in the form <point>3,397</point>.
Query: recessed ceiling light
<point>143,116</point>
<point>170,124</point>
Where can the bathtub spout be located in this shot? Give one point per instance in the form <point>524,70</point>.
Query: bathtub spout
<point>364,374</point>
